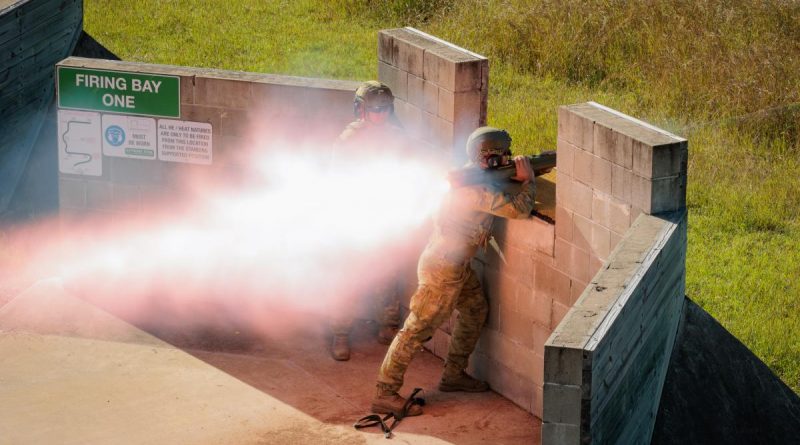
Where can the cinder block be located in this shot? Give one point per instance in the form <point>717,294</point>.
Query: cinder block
<point>574,262</point>
<point>577,287</point>
<point>224,93</point>
<point>410,116</point>
<point>409,56</point>
<point>604,145</point>
<point>601,242</point>
<point>562,403</point>
<point>659,195</point>
<point>551,283</point>
<point>386,47</point>
<point>395,79</point>
<point>431,98</point>
<point>517,327</point>
<point>580,199</point>
<point>466,111</point>
<point>136,171</point>
<point>582,166</point>
<point>563,227</point>
<point>621,183</point>
<point>563,190</point>
<point>538,370</point>
<point>468,75</point>
<point>601,208</point>
<point>540,336</point>
<point>595,264</point>
<point>530,234</point>
<point>187,90</point>
<point>519,264</point>
<point>622,153</point>
<point>484,92</point>
<point>127,198</point>
<point>540,307</point>
<point>619,216</point>
<point>444,134</point>
<point>563,366</point>
<point>71,193</point>
<point>659,161</point>
<point>559,312</point>
<point>429,127</point>
<point>431,70</point>
<point>581,232</point>
<point>538,400</point>
<point>576,129</point>
<point>99,195</point>
<point>511,385</point>
<point>601,174</point>
<point>416,91</point>
<point>559,433</point>
<point>565,156</point>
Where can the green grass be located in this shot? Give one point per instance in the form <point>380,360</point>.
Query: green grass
<point>704,70</point>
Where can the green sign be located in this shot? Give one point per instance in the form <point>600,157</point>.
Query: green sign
<point>119,92</point>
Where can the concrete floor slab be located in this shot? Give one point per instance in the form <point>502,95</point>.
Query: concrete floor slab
<point>73,373</point>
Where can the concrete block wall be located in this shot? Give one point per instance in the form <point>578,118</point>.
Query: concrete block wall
<point>611,168</point>
<point>247,111</point>
<point>441,90</point>
<point>606,362</point>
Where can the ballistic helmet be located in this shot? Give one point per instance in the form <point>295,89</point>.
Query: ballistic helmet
<point>372,94</point>
<point>486,142</point>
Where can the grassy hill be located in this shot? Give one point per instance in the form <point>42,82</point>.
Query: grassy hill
<point>725,75</point>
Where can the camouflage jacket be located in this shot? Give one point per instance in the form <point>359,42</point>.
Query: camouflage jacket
<point>464,221</point>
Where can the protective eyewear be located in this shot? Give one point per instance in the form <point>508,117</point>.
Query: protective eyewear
<point>496,161</point>
<point>379,109</point>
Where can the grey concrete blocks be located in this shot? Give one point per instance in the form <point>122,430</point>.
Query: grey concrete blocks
<point>395,79</point>
<point>448,83</point>
<point>563,403</point>
<point>615,341</point>
<point>71,193</point>
<point>560,433</point>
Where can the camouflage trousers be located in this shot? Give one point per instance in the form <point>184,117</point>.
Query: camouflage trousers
<point>386,307</point>
<point>443,287</point>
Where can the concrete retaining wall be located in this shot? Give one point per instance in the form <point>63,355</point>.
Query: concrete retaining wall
<point>247,112</point>
<point>606,362</point>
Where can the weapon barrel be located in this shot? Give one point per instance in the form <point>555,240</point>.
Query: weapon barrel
<point>475,175</point>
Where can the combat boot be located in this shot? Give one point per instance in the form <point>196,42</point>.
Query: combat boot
<point>340,348</point>
<point>386,334</point>
<point>461,381</point>
<point>387,401</point>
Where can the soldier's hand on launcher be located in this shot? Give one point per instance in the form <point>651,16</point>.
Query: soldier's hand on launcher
<point>524,170</point>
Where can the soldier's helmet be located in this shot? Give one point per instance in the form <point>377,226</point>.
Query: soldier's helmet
<point>372,95</point>
<point>486,144</point>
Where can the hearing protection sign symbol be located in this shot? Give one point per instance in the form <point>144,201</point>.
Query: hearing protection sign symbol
<point>115,135</point>
<point>129,136</point>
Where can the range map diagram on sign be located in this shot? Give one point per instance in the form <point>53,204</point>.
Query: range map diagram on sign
<point>79,143</point>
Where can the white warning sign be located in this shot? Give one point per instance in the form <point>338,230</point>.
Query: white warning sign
<point>184,141</point>
<point>129,136</point>
<point>79,144</point>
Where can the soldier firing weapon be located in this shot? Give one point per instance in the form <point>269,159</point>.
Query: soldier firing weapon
<point>500,168</point>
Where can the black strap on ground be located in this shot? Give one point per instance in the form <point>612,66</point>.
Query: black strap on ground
<point>376,419</point>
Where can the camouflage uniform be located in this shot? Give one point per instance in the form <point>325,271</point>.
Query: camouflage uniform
<point>361,137</point>
<point>447,281</point>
